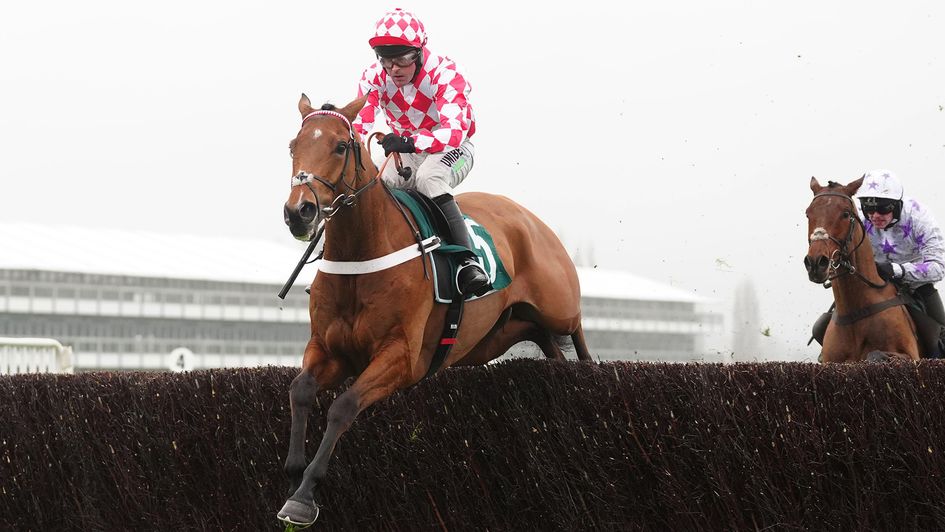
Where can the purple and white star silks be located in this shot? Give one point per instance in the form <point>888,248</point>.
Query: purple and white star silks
<point>906,228</point>
<point>888,247</point>
<point>915,241</point>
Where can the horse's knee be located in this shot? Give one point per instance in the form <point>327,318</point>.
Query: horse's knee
<point>343,411</point>
<point>302,390</point>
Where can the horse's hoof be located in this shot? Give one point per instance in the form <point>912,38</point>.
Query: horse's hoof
<point>877,356</point>
<point>298,514</point>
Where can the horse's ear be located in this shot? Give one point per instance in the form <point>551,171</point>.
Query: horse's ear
<point>352,109</point>
<point>305,105</point>
<point>815,185</point>
<point>855,185</point>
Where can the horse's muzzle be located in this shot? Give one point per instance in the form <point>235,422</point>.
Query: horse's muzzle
<point>301,219</point>
<point>817,268</point>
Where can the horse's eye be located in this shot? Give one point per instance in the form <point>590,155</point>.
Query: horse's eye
<point>341,147</point>
<point>846,214</point>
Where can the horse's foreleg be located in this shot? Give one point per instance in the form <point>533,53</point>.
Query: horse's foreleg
<point>326,374</point>
<point>377,382</point>
<point>301,398</point>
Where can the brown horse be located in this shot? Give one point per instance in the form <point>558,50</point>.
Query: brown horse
<point>870,321</point>
<point>383,327</point>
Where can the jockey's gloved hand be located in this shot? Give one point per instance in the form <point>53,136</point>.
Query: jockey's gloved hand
<point>399,144</point>
<point>886,270</point>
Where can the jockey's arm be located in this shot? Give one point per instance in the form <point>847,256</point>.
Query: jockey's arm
<point>927,234</point>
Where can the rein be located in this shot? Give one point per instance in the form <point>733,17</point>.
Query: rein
<point>845,261</point>
<point>845,258</point>
<point>349,200</point>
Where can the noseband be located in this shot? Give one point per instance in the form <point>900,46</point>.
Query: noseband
<point>845,258</point>
<point>341,199</point>
<point>345,199</point>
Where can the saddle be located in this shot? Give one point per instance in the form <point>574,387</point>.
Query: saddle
<point>447,257</point>
<point>929,333</point>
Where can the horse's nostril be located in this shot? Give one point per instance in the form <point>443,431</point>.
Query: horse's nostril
<point>308,211</point>
<point>814,264</point>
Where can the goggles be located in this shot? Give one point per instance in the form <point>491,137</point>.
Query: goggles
<point>402,60</point>
<point>883,208</point>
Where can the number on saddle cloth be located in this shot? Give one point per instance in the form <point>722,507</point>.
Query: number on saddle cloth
<point>447,257</point>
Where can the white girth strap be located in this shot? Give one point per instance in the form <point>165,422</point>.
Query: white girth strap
<point>381,263</point>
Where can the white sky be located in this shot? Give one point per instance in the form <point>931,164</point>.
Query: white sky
<point>674,139</point>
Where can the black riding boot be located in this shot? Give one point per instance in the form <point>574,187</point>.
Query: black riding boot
<point>932,302</point>
<point>471,278</point>
<point>819,330</point>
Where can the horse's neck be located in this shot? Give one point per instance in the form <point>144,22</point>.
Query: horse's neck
<point>370,228</point>
<point>850,292</point>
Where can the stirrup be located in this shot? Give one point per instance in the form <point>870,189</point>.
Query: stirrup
<point>476,285</point>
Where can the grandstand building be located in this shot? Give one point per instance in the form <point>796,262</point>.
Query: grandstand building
<point>126,301</point>
<point>627,317</point>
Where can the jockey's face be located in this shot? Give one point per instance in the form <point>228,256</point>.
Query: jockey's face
<point>879,211</point>
<point>401,75</point>
<point>880,221</point>
<point>401,68</point>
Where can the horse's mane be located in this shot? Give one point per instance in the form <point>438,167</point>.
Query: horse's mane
<point>833,184</point>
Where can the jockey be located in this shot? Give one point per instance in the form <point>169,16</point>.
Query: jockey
<point>909,251</point>
<point>907,241</point>
<point>423,98</point>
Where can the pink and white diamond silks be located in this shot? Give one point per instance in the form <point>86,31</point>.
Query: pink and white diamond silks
<point>399,28</point>
<point>434,109</point>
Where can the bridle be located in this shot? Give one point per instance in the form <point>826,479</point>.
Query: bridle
<point>841,260</point>
<point>342,199</point>
<point>345,199</point>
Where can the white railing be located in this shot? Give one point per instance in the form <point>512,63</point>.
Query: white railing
<point>34,355</point>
